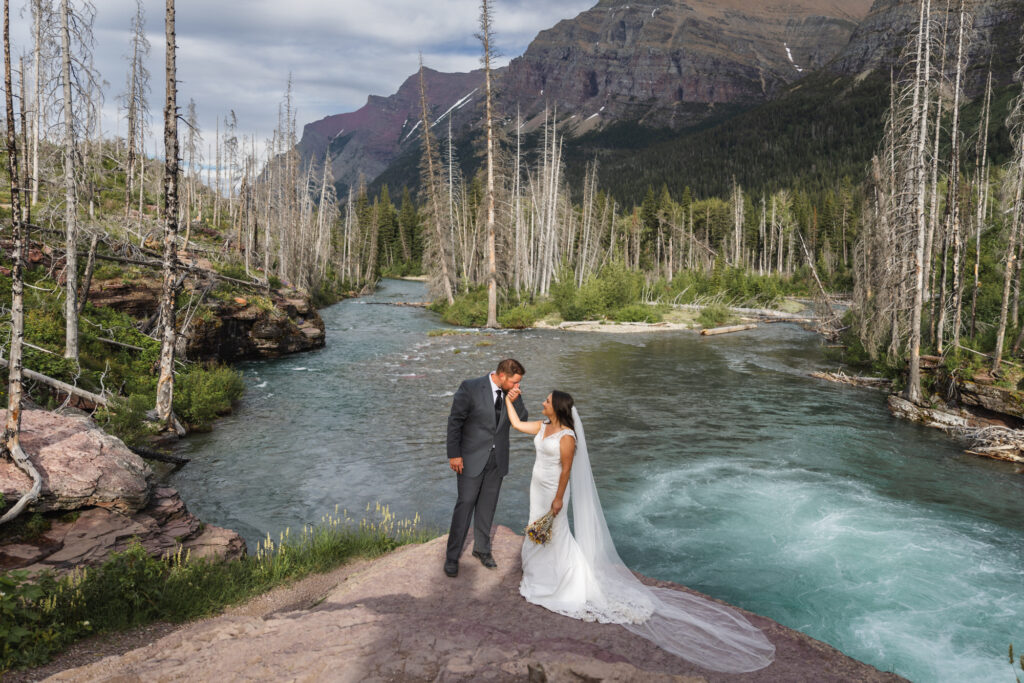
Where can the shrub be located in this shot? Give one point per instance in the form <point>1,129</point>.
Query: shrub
<point>235,270</point>
<point>714,315</point>
<point>517,318</point>
<point>201,393</point>
<point>126,418</point>
<point>469,309</point>
<point>637,313</point>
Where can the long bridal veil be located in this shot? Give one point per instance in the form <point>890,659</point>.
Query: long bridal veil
<point>706,633</point>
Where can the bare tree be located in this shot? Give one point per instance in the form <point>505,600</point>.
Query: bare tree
<point>1014,188</point>
<point>168,333</point>
<point>432,181</point>
<point>12,429</point>
<point>492,270</point>
<point>135,101</point>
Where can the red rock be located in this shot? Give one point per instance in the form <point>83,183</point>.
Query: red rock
<point>401,618</point>
<point>80,464</point>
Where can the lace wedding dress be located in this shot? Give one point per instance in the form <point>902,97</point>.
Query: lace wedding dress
<point>581,575</point>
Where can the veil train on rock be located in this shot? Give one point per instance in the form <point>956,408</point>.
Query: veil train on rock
<point>701,631</point>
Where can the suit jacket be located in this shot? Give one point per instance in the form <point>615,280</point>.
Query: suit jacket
<point>472,432</point>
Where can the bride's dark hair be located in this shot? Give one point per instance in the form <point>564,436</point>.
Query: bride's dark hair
<point>562,403</point>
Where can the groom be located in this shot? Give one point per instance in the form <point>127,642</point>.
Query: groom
<point>478,453</point>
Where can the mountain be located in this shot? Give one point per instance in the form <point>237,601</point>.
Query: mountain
<point>366,141</point>
<point>995,39</point>
<point>663,63</point>
<point>694,93</point>
<point>669,62</point>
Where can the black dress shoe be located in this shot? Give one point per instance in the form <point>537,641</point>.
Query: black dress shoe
<point>486,559</point>
<point>451,568</point>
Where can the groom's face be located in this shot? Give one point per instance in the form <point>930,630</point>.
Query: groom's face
<point>508,382</point>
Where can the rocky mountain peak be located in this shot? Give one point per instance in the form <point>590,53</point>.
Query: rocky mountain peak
<point>668,62</point>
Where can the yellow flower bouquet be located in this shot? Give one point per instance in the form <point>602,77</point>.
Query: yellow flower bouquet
<point>540,531</point>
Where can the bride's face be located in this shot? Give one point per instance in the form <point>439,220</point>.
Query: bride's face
<point>548,411</point>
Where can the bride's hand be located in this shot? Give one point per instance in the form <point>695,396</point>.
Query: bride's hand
<point>556,507</point>
<point>513,394</point>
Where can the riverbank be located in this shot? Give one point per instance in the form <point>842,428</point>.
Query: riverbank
<point>400,617</point>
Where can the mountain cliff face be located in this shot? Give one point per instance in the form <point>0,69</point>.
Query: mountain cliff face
<point>365,141</point>
<point>666,62</point>
<point>879,40</point>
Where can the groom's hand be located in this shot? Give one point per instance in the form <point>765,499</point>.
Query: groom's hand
<point>456,465</point>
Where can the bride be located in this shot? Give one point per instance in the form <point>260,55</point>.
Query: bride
<point>582,576</point>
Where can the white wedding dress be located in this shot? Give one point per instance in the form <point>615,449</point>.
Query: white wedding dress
<point>582,576</point>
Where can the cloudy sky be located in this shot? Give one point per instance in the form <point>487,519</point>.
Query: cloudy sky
<point>237,54</point>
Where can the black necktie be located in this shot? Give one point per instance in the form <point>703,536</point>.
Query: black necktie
<point>497,405</point>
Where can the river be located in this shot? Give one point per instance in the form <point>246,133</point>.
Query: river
<point>721,465</point>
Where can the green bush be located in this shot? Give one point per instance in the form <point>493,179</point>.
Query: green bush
<point>715,315</point>
<point>202,392</point>
<point>637,313</point>
<point>614,287</point>
<point>469,309</point>
<point>517,318</point>
<point>235,270</point>
<point>126,418</point>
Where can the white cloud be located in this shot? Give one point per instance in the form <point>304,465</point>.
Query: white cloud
<point>237,54</point>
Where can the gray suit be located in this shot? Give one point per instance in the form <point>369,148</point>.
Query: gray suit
<point>482,442</point>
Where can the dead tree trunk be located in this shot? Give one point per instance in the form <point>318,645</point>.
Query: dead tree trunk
<point>70,198</point>
<point>492,266</point>
<point>168,334</point>
<point>12,429</point>
<point>921,112</point>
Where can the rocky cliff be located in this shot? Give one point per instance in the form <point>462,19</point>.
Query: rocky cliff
<point>663,62</point>
<point>880,38</point>
<point>668,62</point>
<point>100,496</point>
<point>264,325</point>
<point>364,142</point>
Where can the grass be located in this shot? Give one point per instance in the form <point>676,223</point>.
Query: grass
<point>42,616</point>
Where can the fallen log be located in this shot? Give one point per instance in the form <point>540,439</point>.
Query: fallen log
<point>152,454</point>
<point>69,389</point>
<point>726,330</point>
<point>415,304</point>
<point>853,380</point>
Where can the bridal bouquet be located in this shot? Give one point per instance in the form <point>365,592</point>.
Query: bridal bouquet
<point>540,531</point>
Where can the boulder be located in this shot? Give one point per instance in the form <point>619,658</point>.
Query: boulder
<point>139,298</point>
<point>88,538</point>
<point>80,464</point>
<point>239,331</point>
<point>992,398</point>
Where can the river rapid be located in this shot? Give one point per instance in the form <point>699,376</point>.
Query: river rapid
<point>721,465</point>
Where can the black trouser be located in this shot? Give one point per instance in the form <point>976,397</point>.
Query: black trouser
<point>478,498</point>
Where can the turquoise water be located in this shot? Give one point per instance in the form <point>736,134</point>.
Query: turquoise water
<point>721,466</point>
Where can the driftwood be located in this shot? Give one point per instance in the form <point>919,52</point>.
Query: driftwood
<point>415,304</point>
<point>151,454</point>
<point>23,463</point>
<point>999,443</point>
<point>854,380</point>
<point>726,330</point>
<point>62,386</point>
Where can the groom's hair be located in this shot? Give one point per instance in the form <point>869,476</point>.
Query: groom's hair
<point>510,366</point>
